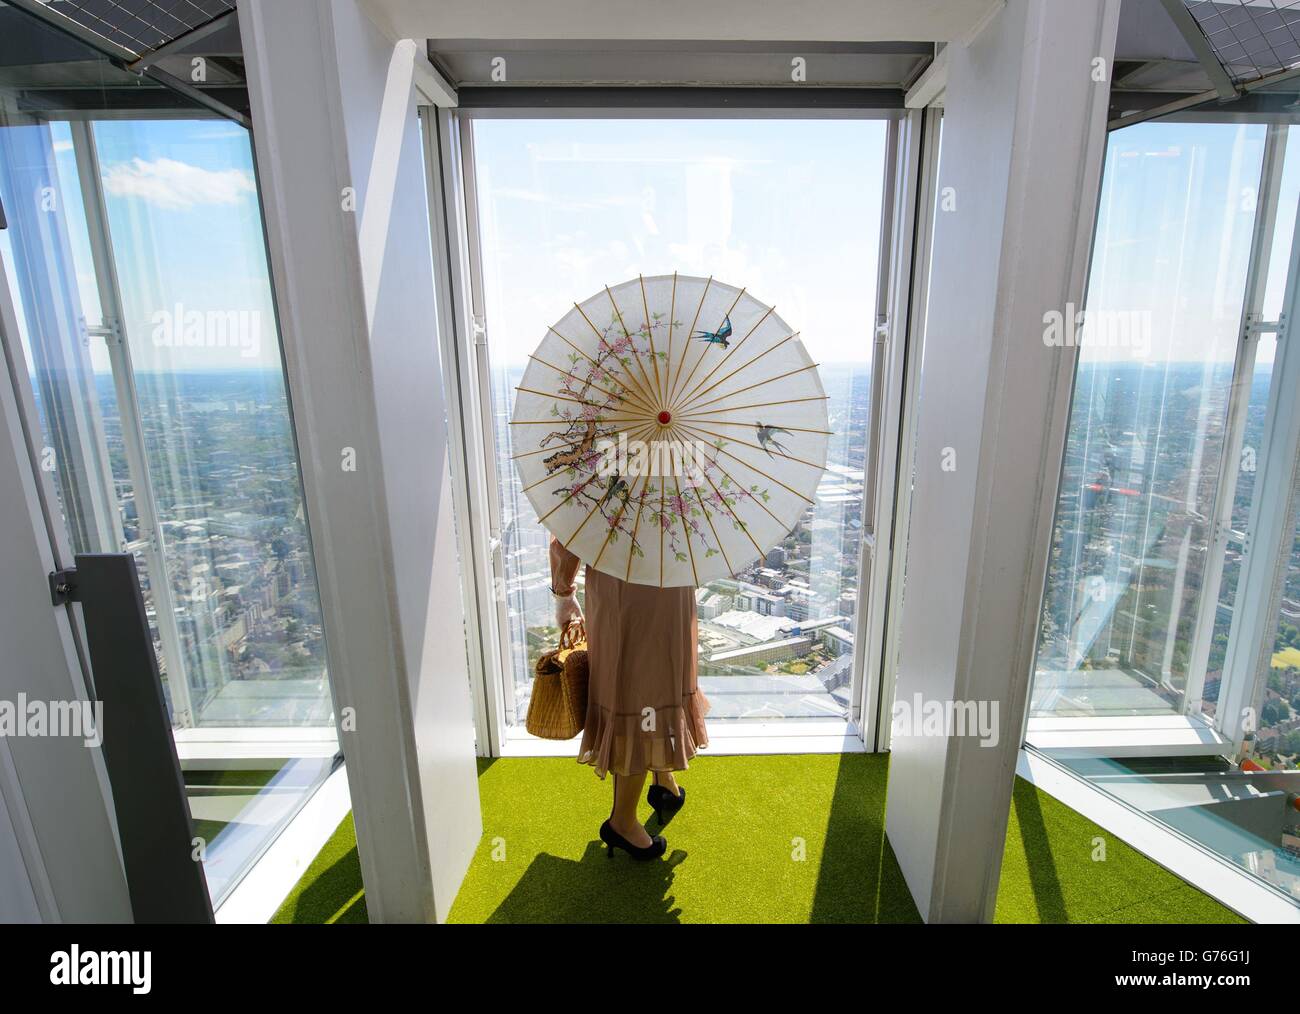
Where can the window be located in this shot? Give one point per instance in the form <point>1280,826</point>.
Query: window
<point>1177,475</point>
<point>789,208</point>
<point>1146,435</point>
<point>135,259</point>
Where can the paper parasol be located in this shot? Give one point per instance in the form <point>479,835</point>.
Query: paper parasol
<point>670,430</point>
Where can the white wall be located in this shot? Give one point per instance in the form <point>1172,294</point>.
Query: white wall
<point>334,108</point>
<point>1024,132</point>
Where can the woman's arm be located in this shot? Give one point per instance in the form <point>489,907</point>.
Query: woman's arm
<point>564,574</point>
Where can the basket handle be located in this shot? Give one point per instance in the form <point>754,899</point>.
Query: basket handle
<point>574,631</point>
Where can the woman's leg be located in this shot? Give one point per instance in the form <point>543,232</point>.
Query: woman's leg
<point>668,780</point>
<point>623,819</point>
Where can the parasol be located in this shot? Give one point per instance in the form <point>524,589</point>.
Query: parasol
<point>670,430</point>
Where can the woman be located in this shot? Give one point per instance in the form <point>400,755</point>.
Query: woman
<point>645,712</point>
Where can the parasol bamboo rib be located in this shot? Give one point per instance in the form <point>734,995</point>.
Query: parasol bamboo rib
<point>623,398</point>
<point>625,385</point>
<point>759,447</point>
<point>743,527</point>
<point>590,514</point>
<point>709,518</point>
<point>649,333</point>
<point>636,527</point>
<point>636,353</point>
<point>552,422</point>
<point>586,482</point>
<point>609,535</point>
<point>601,338</point>
<point>695,395</point>
<point>595,507</point>
<point>567,443</point>
<point>759,471</point>
<point>761,404</point>
<point>686,527</point>
<point>672,312</point>
<point>559,397</point>
<point>686,399</point>
<point>687,341</point>
<point>551,475</point>
<point>746,493</point>
<point>750,387</point>
<point>662,486</point>
<point>750,426</point>
<point>705,351</point>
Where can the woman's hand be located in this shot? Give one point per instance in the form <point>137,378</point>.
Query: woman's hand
<point>567,610</point>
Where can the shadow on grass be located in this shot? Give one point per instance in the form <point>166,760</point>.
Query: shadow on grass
<point>1043,878</point>
<point>335,896</point>
<point>593,889</point>
<point>860,880</point>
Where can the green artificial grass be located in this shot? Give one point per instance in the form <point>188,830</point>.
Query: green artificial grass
<point>1059,867</point>
<point>761,839</point>
<point>330,891</point>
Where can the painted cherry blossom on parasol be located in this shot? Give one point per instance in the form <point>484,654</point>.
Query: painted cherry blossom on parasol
<point>670,430</point>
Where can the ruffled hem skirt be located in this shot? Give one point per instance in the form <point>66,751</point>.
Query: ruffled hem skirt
<point>662,739</point>
<point>645,711</point>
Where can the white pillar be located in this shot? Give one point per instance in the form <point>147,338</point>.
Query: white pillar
<point>1023,138</point>
<point>337,144</point>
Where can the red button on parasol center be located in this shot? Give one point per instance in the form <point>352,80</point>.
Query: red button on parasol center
<point>665,417</point>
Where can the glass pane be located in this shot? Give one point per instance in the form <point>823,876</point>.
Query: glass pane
<point>186,227</point>
<point>164,419</point>
<point>1252,444</point>
<point>790,209</point>
<point>1132,599</point>
<point>1277,743</point>
<point>1146,434</point>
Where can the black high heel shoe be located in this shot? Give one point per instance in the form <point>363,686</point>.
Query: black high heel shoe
<point>664,803</point>
<point>613,840</point>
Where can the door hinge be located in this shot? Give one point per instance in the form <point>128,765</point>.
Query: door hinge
<point>63,586</point>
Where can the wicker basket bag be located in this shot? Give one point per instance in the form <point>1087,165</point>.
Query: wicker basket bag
<point>558,708</point>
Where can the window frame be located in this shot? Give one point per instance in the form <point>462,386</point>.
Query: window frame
<point>1191,733</point>
<point>464,336</point>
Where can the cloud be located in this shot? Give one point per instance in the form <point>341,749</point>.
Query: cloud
<point>174,185</point>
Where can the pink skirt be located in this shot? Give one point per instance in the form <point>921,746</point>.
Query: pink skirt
<point>645,711</point>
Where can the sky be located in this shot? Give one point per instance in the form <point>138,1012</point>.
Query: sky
<point>789,209</point>
<point>186,230</point>
<point>1174,230</point>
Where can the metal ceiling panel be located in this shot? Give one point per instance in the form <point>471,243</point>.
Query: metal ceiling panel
<point>140,26</point>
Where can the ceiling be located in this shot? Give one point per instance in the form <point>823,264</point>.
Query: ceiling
<point>61,68</point>
<point>139,26</point>
<point>1167,50</point>
<point>726,20</point>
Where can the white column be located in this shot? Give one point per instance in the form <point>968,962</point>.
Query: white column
<point>1024,134</point>
<point>337,144</point>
